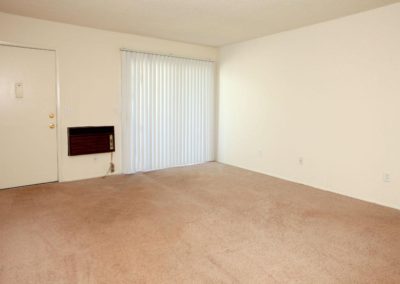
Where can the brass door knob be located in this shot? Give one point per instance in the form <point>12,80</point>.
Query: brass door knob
<point>51,115</point>
<point>52,125</point>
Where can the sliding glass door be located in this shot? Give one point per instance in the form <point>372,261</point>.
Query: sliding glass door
<point>168,111</point>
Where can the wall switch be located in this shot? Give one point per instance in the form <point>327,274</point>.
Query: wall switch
<point>386,177</point>
<point>19,90</point>
<point>301,161</point>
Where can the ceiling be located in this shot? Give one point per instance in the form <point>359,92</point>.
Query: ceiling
<point>206,22</point>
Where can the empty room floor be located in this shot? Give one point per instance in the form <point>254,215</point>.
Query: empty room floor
<point>205,223</point>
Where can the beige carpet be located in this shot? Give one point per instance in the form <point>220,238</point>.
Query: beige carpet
<point>201,224</point>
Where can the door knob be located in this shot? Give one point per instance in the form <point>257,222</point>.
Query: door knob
<point>52,125</point>
<point>51,115</point>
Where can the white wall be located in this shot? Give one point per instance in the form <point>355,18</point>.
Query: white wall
<point>90,78</point>
<point>329,93</point>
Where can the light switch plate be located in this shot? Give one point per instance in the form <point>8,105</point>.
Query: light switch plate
<point>19,90</point>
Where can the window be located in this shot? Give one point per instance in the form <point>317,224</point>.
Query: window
<point>168,111</point>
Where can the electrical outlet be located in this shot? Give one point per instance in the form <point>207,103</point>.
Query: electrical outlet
<point>386,177</point>
<point>112,167</point>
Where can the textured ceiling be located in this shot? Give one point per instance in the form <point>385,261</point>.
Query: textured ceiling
<point>206,22</point>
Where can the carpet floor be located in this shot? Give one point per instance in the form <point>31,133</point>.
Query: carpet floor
<point>208,223</point>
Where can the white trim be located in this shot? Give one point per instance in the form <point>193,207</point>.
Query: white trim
<point>58,120</point>
<point>166,54</point>
<point>4,43</point>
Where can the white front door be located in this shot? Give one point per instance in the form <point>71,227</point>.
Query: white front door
<point>28,136</point>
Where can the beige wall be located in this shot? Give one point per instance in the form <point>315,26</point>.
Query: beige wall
<point>89,75</point>
<point>329,94</point>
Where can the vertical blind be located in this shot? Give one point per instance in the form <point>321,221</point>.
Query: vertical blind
<point>168,111</point>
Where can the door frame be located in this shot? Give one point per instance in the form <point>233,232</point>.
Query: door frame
<point>58,106</point>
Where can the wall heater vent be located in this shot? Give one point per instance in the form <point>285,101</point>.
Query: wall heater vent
<point>90,140</point>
